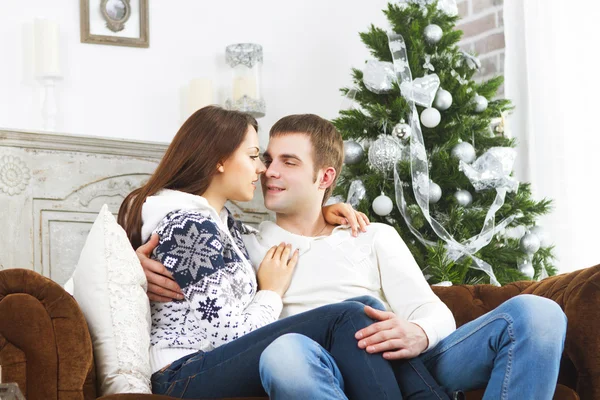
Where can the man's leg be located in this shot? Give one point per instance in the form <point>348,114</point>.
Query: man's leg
<point>514,350</point>
<point>296,367</point>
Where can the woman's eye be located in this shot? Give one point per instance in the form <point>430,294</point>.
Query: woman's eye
<point>254,157</point>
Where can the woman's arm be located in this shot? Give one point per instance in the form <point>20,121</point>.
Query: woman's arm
<point>215,284</point>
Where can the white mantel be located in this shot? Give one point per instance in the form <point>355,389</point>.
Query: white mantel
<point>53,185</point>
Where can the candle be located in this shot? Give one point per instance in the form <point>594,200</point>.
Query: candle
<point>47,61</point>
<point>200,94</point>
<point>244,85</point>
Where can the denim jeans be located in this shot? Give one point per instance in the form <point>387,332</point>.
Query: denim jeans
<point>296,367</point>
<point>513,351</point>
<point>232,370</point>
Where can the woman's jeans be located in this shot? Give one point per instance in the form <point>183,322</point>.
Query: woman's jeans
<point>232,370</point>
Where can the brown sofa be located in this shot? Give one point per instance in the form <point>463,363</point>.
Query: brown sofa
<point>46,348</point>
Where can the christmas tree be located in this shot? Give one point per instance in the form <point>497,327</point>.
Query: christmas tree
<point>424,152</point>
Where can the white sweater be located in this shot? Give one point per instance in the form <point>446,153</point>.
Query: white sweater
<point>339,266</point>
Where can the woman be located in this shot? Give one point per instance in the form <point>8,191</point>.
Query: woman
<point>209,344</point>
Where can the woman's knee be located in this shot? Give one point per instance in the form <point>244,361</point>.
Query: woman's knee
<point>369,301</point>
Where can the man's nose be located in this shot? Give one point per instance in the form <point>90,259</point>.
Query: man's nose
<point>271,172</point>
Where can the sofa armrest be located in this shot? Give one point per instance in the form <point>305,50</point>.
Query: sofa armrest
<point>45,323</point>
<point>578,294</point>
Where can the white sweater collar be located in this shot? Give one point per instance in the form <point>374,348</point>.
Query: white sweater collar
<point>157,207</point>
<point>272,235</point>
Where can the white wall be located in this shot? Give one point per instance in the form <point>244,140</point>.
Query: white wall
<point>309,48</point>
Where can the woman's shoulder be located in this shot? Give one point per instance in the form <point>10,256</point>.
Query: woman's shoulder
<point>185,219</point>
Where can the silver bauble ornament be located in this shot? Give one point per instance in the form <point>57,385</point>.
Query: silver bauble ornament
<point>464,151</point>
<point>526,268</point>
<point>356,192</point>
<point>433,33</point>
<point>384,153</point>
<point>435,192</point>
<point>480,103</point>
<point>542,235</point>
<point>463,197</point>
<point>430,117</point>
<point>443,100</point>
<point>382,205</point>
<point>529,243</point>
<point>379,76</point>
<point>402,131</point>
<point>353,152</point>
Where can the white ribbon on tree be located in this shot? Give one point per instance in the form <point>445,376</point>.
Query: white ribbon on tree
<point>420,178</point>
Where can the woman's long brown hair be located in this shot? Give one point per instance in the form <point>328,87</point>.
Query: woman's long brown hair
<point>207,138</point>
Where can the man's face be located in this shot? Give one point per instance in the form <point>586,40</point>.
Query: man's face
<point>289,184</point>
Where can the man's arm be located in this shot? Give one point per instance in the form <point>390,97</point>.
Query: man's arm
<point>419,319</point>
<point>161,285</point>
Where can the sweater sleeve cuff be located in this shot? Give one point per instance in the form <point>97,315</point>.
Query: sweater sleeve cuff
<point>429,330</point>
<point>270,299</point>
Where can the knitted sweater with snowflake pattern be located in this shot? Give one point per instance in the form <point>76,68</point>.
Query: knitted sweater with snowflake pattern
<point>205,254</point>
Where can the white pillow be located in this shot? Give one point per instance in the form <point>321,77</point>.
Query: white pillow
<point>110,287</point>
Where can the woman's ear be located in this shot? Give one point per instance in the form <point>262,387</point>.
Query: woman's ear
<point>220,168</point>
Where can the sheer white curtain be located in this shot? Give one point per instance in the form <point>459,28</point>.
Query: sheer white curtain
<point>552,75</point>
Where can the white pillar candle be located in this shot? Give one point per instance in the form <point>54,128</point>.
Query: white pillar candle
<point>200,94</point>
<point>47,58</point>
<point>244,85</point>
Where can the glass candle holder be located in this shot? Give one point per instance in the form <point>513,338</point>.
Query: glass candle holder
<point>245,60</point>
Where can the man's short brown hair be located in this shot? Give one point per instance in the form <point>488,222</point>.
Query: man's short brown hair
<point>327,142</point>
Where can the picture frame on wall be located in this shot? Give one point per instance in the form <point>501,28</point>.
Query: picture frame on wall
<point>115,22</point>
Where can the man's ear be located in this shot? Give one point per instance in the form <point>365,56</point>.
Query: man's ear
<point>328,178</point>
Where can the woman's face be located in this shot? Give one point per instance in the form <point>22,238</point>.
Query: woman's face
<point>242,169</point>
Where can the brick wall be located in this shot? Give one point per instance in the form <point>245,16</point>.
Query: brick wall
<point>482,23</point>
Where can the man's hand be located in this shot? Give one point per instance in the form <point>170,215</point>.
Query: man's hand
<point>396,337</point>
<point>161,286</point>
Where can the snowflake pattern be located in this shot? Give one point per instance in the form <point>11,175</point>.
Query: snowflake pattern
<point>218,285</point>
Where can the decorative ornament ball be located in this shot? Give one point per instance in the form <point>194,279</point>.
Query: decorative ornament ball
<point>384,153</point>
<point>382,205</point>
<point>542,235</point>
<point>356,193</point>
<point>430,117</point>
<point>463,197</point>
<point>464,151</point>
<point>526,268</point>
<point>435,192</point>
<point>353,152</point>
<point>481,103</point>
<point>529,243</point>
<point>443,100</point>
<point>402,131</point>
<point>433,33</point>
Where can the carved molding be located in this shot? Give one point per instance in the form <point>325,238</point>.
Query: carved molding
<point>81,144</point>
<point>14,175</point>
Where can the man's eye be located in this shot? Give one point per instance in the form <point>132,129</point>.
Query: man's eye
<point>289,163</point>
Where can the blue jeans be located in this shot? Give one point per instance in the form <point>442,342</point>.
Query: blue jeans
<point>296,367</point>
<point>232,370</point>
<point>513,351</point>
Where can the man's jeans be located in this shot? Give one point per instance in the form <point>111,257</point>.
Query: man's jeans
<point>514,350</point>
<point>296,367</point>
<point>232,370</point>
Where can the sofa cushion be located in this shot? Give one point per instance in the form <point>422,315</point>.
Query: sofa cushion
<point>110,286</point>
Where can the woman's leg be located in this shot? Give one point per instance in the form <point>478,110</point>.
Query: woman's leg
<point>232,370</point>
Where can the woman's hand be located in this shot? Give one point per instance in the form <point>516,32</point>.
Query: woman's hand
<point>344,214</point>
<point>276,269</point>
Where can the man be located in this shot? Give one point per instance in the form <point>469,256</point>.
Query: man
<point>513,351</point>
